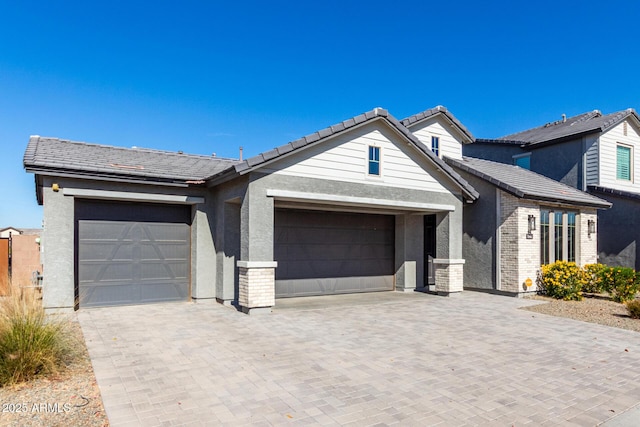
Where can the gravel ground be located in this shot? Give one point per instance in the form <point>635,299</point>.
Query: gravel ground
<point>71,398</point>
<point>595,309</point>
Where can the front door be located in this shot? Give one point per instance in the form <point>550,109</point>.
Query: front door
<point>429,249</point>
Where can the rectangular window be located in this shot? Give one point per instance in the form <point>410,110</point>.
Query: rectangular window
<point>571,237</point>
<point>623,162</point>
<point>523,161</point>
<point>544,236</point>
<point>374,160</point>
<point>558,235</point>
<point>435,145</point>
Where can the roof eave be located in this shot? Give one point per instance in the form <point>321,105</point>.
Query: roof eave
<point>70,173</point>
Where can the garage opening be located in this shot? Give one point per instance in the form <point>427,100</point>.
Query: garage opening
<point>131,253</point>
<point>326,253</point>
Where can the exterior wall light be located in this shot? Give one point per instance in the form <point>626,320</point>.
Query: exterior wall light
<point>591,227</point>
<point>531,222</point>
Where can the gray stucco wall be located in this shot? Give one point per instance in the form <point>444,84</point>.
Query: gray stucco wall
<point>409,226</point>
<point>619,232</point>
<point>562,162</point>
<point>58,240</point>
<point>501,153</point>
<point>478,240</point>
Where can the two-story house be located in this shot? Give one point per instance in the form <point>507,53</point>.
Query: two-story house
<point>592,152</point>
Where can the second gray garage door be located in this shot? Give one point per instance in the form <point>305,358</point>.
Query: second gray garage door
<point>324,253</point>
<point>132,253</point>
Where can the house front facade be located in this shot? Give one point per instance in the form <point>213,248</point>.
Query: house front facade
<point>360,206</point>
<point>592,152</point>
<point>521,221</point>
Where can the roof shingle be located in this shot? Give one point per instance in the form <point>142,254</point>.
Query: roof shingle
<point>525,184</point>
<point>59,155</point>
<point>593,121</point>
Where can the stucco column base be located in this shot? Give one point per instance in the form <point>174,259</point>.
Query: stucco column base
<point>203,300</point>
<point>449,279</point>
<point>257,286</point>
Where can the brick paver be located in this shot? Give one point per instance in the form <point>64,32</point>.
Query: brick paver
<point>383,359</point>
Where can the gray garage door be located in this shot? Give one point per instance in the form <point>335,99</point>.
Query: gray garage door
<point>324,253</point>
<point>131,253</point>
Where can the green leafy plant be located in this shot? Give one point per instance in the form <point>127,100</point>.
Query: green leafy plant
<point>561,280</point>
<point>621,283</point>
<point>633,307</point>
<point>591,278</point>
<point>30,343</point>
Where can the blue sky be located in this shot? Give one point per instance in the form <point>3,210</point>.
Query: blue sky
<point>207,77</point>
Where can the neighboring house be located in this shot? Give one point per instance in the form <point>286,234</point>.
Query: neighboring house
<point>591,152</point>
<point>355,207</point>
<point>520,221</point>
<point>9,231</point>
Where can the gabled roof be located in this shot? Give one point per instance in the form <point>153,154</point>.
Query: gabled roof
<point>582,124</point>
<point>525,184</point>
<point>260,160</point>
<point>53,156</point>
<point>438,110</point>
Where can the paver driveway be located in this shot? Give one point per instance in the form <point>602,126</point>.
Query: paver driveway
<point>406,359</point>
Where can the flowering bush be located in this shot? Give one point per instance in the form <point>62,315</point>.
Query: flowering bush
<point>561,280</point>
<point>621,283</point>
<point>591,281</point>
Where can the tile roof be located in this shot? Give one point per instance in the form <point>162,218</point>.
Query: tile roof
<point>614,192</point>
<point>377,113</point>
<point>53,155</point>
<point>439,109</point>
<point>593,121</point>
<point>526,184</point>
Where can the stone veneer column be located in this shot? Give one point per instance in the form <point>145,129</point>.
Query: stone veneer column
<point>449,276</point>
<point>257,286</point>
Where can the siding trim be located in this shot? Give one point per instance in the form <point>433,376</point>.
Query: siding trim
<point>298,196</point>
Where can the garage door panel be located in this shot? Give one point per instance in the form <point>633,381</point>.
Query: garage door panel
<point>132,262</point>
<point>320,253</point>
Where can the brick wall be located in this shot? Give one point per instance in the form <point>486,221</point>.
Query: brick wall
<point>588,246</point>
<point>256,287</point>
<point>519,256</point>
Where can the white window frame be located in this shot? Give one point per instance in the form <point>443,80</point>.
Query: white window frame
<point>630,147</point>
<point>436,150</point>
<point>369,160</point>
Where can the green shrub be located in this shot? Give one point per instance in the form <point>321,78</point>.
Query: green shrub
<point>633,307</point>
<point>592,282</point>
<point>561,280</point>
<point>621,283</point>
<point>30,344</point>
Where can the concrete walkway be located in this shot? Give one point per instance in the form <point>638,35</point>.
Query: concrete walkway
<point>376,359</point>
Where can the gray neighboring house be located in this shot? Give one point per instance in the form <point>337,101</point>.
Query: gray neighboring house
<point>346,209</point>
<point>520,221</point>
<point>592,152</point>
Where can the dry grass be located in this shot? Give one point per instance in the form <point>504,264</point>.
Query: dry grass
<point>30,343</point>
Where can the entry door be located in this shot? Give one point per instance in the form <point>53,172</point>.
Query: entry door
<point>429,249</point>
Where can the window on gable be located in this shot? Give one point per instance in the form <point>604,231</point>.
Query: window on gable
<point>523,160</point>
<point>623,162</point>
<point>374,160</point>
<point>435,145</point>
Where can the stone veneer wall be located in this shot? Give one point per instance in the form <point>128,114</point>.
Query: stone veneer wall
<point>449,276</point>
<point>519,256</point>
<point>256,287</point>
<point>588,246</point>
